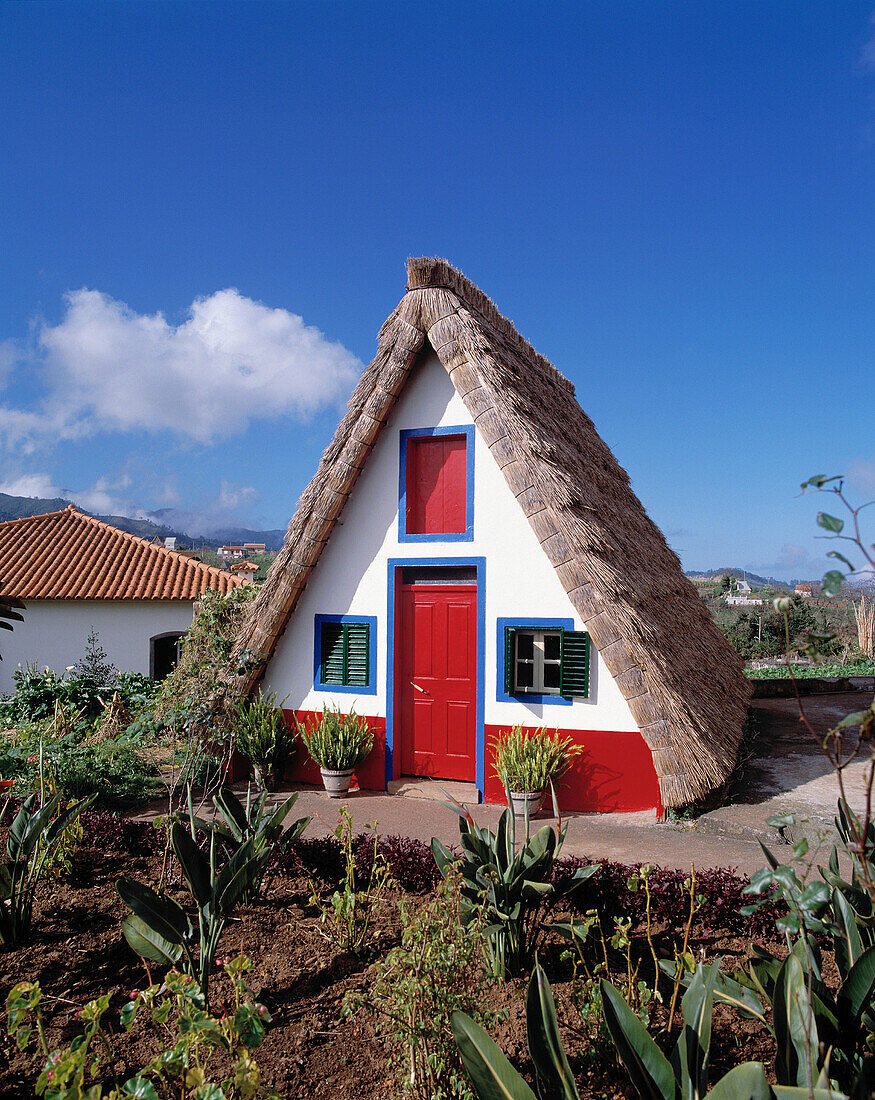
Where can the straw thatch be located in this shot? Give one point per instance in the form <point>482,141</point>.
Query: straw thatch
<point>683,682</point>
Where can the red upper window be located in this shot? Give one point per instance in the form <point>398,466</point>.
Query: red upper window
<point>436,485</point>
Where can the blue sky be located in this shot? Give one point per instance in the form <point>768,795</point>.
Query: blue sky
<point>206,209</point>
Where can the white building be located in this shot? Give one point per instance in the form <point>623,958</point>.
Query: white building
<point>75,573</point>
<point>470,556</point>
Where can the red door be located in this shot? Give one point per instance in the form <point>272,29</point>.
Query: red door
<point>436,666</point>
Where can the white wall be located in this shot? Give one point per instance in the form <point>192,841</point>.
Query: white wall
<point>351,576</point>
<point>54,633</point>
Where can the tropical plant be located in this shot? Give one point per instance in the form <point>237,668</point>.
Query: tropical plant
<point>528,762</point>
<point>158,927</point>
<point>264,737</point>
<point>253,820</point>
<point>511,887</point>
<point>347,914</point>
<point>35,833</point>
<point>655,1077</point>
<point>337,741</point>
<point>199,1052</point>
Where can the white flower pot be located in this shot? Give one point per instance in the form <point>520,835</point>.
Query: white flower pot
<point>336,782</point>
<point>520,799</point>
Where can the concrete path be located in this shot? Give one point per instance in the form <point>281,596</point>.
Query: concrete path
<point>787,771</point>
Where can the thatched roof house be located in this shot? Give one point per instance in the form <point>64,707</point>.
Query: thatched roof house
<point>679,685</point>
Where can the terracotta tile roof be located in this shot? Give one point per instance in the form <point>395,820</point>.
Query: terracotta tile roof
<point>70,556</point>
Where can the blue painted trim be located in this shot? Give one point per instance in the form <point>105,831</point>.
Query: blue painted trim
<point>453,536</point>
<point>394,564</point>
<point>526,696</point>
<point>371,621</point>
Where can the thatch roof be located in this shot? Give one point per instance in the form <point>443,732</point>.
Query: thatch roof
<point>683,682</point>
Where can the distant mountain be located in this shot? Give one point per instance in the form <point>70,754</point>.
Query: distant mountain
<point>12,507</point>
<point>753,579</point>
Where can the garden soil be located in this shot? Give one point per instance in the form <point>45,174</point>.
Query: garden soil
<point>76,952</point>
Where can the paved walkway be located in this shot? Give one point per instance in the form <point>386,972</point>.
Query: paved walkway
<point>787,771</point>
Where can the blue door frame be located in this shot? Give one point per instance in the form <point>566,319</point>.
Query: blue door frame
<point>394,564</point>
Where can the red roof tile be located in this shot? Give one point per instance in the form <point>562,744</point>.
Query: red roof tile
<point>70,556</point>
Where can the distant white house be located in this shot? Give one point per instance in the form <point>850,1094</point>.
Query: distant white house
<point>75,573</point>
<point>743,601</point>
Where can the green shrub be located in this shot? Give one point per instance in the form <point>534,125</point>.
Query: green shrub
<point>528,762</point>
<point>262,734</point>
<point>337,741</point>
<point>414,991</point>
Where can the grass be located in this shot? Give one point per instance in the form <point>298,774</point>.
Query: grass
<point>809,672</point>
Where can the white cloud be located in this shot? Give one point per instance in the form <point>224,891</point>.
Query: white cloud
<point>103,496</point>
<point>233,360</point>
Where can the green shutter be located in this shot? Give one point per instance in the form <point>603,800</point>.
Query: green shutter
<point>357,646</point>
<point>574,677</point>
<point>332,654</point>
<point>509,654</point>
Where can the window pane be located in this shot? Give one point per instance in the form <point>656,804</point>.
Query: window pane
<point>525,645</point>
<point>551,647</point>
<point>551,676</point>
<point>524,675</point>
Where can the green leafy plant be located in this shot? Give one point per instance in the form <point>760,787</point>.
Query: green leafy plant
<point>205,1057</point>
<point>347,913</point>
<point>655,1077</point>
<point>262,734</point>
<point>253,820</point>
<point>158,927</point>
<point>412,993</point>
<point>34,835</point>
<point>528,762</point>
<point>512,888</point>
<point>337,741</point>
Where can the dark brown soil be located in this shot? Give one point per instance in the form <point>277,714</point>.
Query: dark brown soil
<point>77,952</point>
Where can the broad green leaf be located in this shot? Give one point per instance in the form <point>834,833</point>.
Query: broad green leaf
<point>840,557</point>
<point>745,1082</point>
<point>238,877</point>
<point>726,991</point>
<point>858,718</point>
<point>194,864</point>
<point>545,1046</point>
<point>162,913</point>
<point>830,523</point>
<point>792,1092</point>
<point>55,830</point>
<point>648,1068</point>
<point>231,809</point>
<point>443,857</point>
<point>690,1059</point>
<point>139,1088</point>
<point>832,582</point>
<point>819,480</point>
<point>148,943</point>
<point>493,1077</point>
<point>848,945</point>
<point>856,989</point>
<point>795,1026</point>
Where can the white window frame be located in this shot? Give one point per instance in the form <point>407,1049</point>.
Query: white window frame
<point>538,661</point>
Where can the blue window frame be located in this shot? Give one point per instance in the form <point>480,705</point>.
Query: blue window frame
<point>453,536</point>
<point>505,678</point>
<point>345,654</point>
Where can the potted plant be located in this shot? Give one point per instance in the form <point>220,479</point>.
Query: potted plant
<point>527,763</point>
<point>262,734</point>
<point>337,742</point>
